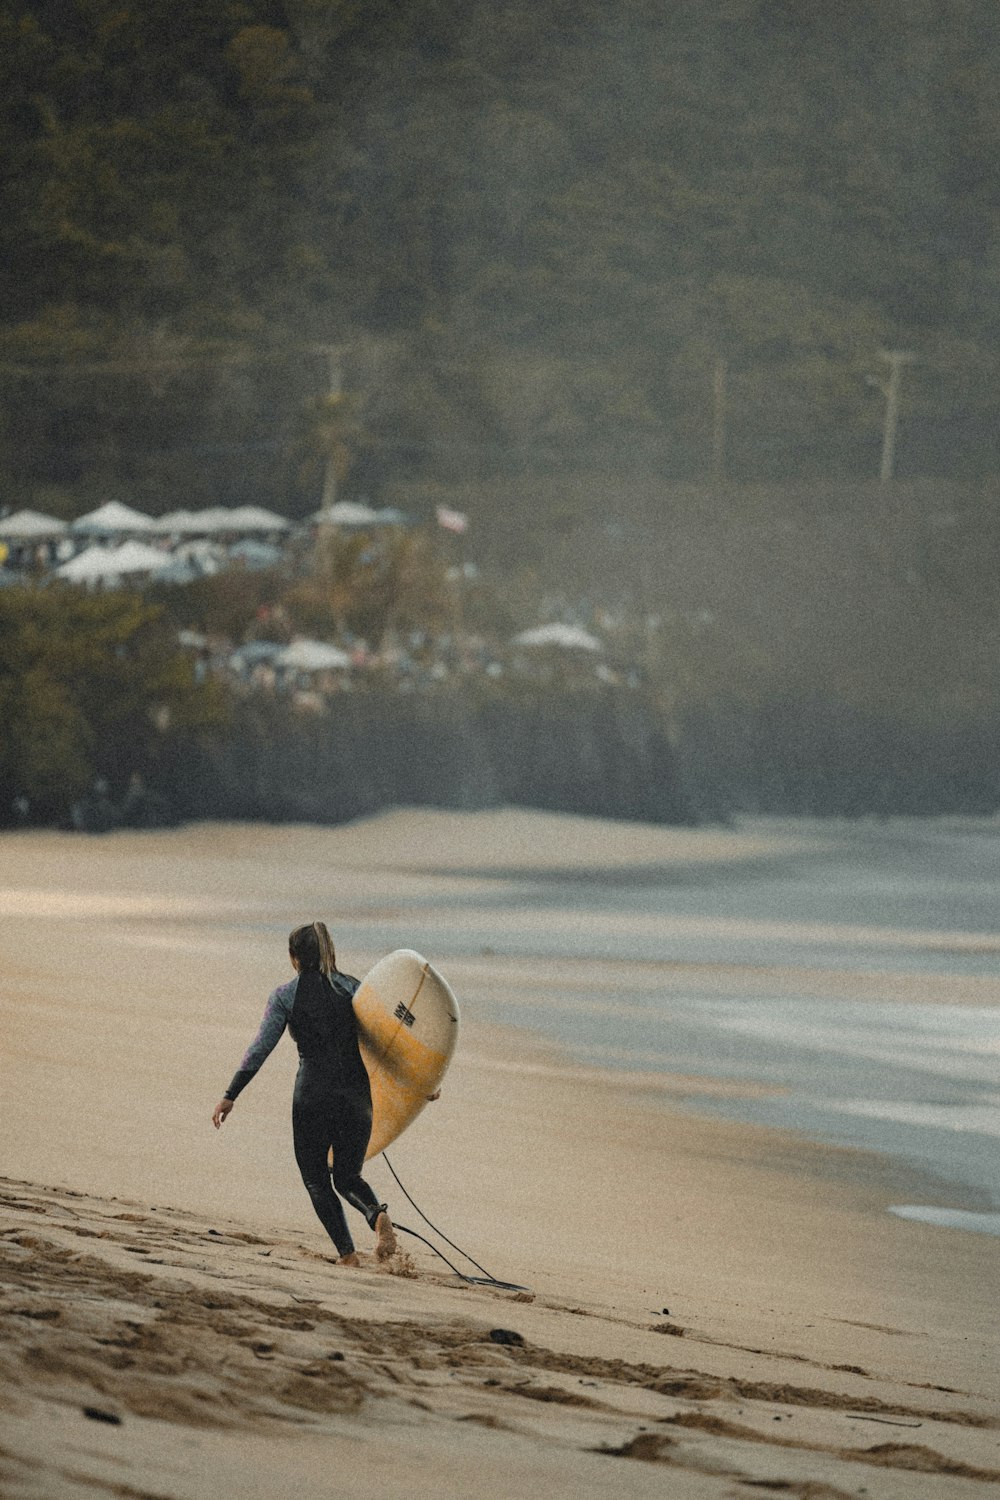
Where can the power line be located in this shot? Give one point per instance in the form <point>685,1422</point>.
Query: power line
<point>171,365</point>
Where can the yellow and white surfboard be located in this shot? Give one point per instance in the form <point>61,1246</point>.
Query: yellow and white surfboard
<point>407,1028</point>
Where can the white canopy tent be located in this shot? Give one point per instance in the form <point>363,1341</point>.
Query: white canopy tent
<point>566,637</point>
<point>136,557</point>
<point>112,565</point>
<point>114,519</point>
<point>217,520</point>
<point>211,521</point>
<point>312,656</point>
<point>254,519</point>
<point>176,523</point>
<point>89,566</point>
<point>347,513</point>
<point>31,526</point>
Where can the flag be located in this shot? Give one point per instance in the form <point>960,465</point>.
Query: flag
<point>452,520</point>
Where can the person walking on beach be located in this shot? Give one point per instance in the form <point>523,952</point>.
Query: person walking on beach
<point>332,1103</point>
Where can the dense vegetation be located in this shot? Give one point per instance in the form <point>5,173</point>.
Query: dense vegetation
<point>91,688</point>
<point>531,227</point>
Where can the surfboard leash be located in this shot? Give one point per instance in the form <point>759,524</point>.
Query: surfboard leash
<point>485,1280</point>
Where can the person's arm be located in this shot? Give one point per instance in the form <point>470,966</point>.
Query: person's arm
<point>269,1034</point>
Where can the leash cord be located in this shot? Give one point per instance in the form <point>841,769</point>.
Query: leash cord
<point>485,1280</point>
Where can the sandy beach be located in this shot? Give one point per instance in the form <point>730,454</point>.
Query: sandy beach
<point>714,1298</point>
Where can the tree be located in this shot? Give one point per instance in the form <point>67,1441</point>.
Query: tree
<point>91,685</point>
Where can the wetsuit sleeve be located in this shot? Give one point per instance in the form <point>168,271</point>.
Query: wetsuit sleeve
<point>269,1034</point>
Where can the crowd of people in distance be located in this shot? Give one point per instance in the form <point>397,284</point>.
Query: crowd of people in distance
<point>310,673</point>
<point>574,642</point>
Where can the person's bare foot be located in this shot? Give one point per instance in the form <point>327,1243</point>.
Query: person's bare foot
<point>349,1260</point>
<point>385,1238</point>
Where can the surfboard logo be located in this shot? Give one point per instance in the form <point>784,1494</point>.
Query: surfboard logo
<point>404,1014</point>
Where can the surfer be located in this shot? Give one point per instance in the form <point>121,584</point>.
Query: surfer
<point>332,1103</point>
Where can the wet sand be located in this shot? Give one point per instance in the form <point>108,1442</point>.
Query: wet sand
<point>728,1301</point>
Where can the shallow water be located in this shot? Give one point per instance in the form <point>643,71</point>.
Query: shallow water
<point>918,1083</point>
<point>910,903</point>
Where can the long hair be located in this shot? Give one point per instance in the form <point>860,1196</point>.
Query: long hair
<point>313,1022</point>
<point>312,948</point>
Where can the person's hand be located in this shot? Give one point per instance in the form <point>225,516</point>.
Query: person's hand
<point>432,1097</point>
<point>221,1111</point>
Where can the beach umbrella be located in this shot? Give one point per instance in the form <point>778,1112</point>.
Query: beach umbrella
<point>390,516</point>
<point>252,653</point>
<point>31,526</point>
<point>113,519</point>
<point>312,656</point>
<point>347,513</point>
<point>566,637</point>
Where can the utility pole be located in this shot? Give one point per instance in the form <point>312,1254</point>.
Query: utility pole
<point>720,377</point>
<point>890,389</point>
<point>326,531</point>
<point>334,388</point>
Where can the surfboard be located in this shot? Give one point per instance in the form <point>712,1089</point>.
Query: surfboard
<point>407,1029</point>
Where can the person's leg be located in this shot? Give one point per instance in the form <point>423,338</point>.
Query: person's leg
<point>386,1243</point>
<point>311,1136</point>
<point>351,1131</point>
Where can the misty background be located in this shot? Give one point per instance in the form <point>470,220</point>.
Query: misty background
<point>616,282</point>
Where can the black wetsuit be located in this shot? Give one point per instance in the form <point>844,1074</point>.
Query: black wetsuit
<point>332,1103</point>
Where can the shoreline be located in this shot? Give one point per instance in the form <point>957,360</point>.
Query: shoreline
<point>215,896</point>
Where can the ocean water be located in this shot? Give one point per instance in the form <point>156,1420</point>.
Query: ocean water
<point>918,1083</point>
<point>769,971</point>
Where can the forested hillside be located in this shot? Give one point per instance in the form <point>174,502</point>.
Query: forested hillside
<point>532,228</point>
